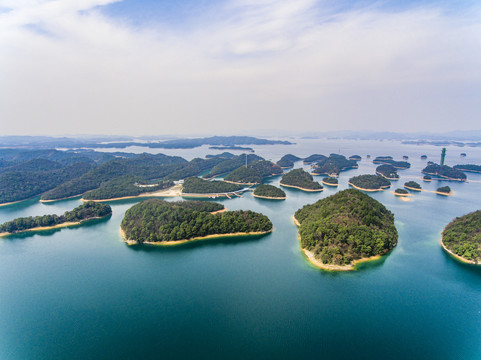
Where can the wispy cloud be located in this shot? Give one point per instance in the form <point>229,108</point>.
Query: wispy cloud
<point>67,68</point>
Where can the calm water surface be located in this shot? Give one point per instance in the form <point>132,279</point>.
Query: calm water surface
<point>81,293</point>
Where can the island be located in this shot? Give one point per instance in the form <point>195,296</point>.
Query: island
<point>333,165</point>
<point>427,178</point>
<point>330,181</point>
<point>387,171</point>
<point>424,157</point>
<point>83,213</point>
<point>355,157</point>
<point>158,222</point>
<point>462,154</point>
<point>462,238</point>
<point>300,179</point>
<point>369,182</point>
<point>254,173</point>
<point>344,229</point>
<point>444,190</point>
<point>124,187</point>
<point>314,158</point>
<point>197,187</point>
<point>412,185</point>
<point>468,167</point>
<point>287,161</point>
<point>401,192</point>
<point>270,192</point>
<point>388,160</point>
<point>444,172</point>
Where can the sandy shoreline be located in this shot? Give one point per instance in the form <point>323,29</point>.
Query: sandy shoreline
<point>269,197</point>
<point>460,258</point>
<point>179,242</point>
<point>413,189</point>
<point>65,198</point>
<point>368,190</point>
<point>328,184</point>
<point>173,191</point>
<point>300,188</point>
<point>386,177</point>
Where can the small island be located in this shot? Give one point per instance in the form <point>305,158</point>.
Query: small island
<point>369,182</point>
<point>330,181</point>
<point>269,192</point>
<point>444,190</point>
<point>333,165</point>
<point>401,192</point>
<point>85,212</point>
<point>462,238</point>
<point>388,160</point>
<point>314,158</point>
<point>427,178</point>
<point>344,229</point>
<point>158,222</point>
<point>444,172</point>
<point>462,154</point>
<point>197,187</point>
<point>287,161</point>
<point>387,171</point>
<point>300,179</point>
<point>254,173</point>
<point>412,185</point>
<point>468,168</point>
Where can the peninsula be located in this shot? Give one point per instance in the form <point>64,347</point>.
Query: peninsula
<point>287,161</point>
<point>344,229</point>
<point>158,222</point>
<point>300,179</point>
<point>462,238</point>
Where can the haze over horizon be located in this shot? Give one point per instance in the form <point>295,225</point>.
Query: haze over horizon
<point>238,66</point>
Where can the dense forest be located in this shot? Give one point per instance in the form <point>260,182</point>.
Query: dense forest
<point>269,191</point>
<point>370,182</point>
<point>387,171</point>
<point>254,173</point>
<point>412,185</point>
<point>333,165</point>
<point>195,185</point>
<point>314,158</point>
<point>463,236</point>
<point>287,161</point>
<point>444,190</point>
<point>444,171</point>
<point>388,160</point>
<point>229,165</point>
<point>345,227</point>
<point>156,220</point>
<point>468,168</point>
<point>300,179</point>
<point>86,211</point>
<point>127,185</point>
<point>330,181</point>
<point>401,192</point>
<point>355,157</point>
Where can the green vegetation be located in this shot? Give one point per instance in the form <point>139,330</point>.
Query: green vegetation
<point>156,220</point>
<point>388,160</point>
<point>462,236</point>
<point>300,179</point>
<point>254,173</point>
<point>355,157</point>
<point>333,165</point>
<point>345,227</point>
<point>444,190</point>
<point>370,182</point>
<point>314,158</point>
<point>127,185</point>
<point>468,168</point>
<point>86,211</point>
<point>387,171</point>
<point>194,168</point>
<point>427,178</point>
<point>287,161</point>
<point>229,165</point>
<point>401,192</point>
<point>413,185</point>
<point>269,191</point>
<point>330,181</point>
<point>195,185</point>
<point>444,171</point>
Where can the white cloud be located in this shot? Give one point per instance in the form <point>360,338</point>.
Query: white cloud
<point>246,65</point>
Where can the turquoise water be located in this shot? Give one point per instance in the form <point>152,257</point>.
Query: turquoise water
<point>81,293</point>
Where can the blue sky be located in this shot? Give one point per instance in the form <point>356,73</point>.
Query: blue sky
<point>170,67</point>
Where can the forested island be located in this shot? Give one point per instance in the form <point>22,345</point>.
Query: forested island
<point>462,238</point>
<point>388,160</point>
<point>265,191</point>
<point>287,161</point>
<point>355,157</point>
<point>444,190</point>
<point>444,172</point>
<point>369,182</point>
<point>314,158</point>
<point>330,181</point>
<point>401,192</point>
<point>468,168</point>
<point>387,171</point>
<point>427,178</point>
<point>254,173</point>
<point>344,229</point>
<point>87,211</point>
<point>160,222</point>
<point>412,185</point>
<point>195,185</point>
<point>300,179</point>
<point>333,165</point>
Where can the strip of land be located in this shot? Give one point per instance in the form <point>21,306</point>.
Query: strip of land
<point>300,188</point>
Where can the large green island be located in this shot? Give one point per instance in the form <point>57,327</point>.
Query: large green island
<point>272,192</point>
<point>300,179</point>
<point>85,212</point>
<point>462,238</point>
<point>369,182</point>
<point>158,222</point>
<point>344,229</point>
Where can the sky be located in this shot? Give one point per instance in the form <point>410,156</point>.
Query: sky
<point>153,67</point>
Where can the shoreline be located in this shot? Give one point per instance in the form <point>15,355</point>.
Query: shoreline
<point>460,258</point>
<point>169,192</point>
<point>444,194</point>
<point>183,241</point>
<point>65,198</point>
<point>413,189</point>
<point>445,177</point>
<point>328,184</point>
<point>269,197</point>
<point>58,226</point>
<point>239,183</point>
<point>300,188</point>
<point>368,190</point>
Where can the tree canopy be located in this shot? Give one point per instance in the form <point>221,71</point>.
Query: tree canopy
<point>463,236</point>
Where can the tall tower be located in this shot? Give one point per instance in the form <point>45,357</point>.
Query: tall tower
<point>443,156</point>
